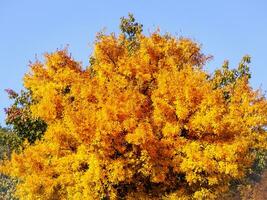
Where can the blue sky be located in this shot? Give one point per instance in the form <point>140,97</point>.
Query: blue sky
<point>227,29</point>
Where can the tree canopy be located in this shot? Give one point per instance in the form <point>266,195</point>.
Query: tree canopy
<point>139,123</point>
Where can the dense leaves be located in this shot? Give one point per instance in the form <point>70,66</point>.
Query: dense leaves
<point>7,187</point>
<point>19,117</point>
<point>9,142</point>
<point>141,123</point>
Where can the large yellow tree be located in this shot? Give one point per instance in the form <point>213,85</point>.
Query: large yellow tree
<point>143,121</point>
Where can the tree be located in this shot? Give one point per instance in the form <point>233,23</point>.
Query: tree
<point>146,123</point>
<point>9,142</point>
<point>19,118</point>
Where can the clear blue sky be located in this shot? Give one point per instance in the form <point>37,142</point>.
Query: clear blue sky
<point>227,29</point>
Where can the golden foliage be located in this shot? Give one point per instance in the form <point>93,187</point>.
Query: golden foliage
<point>143,124</point>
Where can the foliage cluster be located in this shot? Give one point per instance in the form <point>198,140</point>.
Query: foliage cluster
<point>9,142</point>
<point>19,117</point>
<point>144,121</point>
<point>7,187</point>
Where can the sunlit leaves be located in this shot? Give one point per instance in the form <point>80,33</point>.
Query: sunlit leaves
<point>141,124</point>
